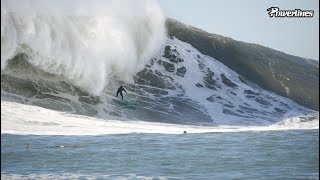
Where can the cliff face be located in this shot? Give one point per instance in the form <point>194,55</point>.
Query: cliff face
<point>290,76</point>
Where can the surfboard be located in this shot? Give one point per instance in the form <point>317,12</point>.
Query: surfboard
<point>125,103</point>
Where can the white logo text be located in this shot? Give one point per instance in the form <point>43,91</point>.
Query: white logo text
<point>276,12</point>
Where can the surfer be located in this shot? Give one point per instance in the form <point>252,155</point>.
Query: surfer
<point>120,89</point>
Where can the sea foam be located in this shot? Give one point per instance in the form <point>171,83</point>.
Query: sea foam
<point>85,44</point>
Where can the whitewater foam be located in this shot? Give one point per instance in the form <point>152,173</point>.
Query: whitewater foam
<point>115,39</point>
<point>23,119</point>
<point>78,176</point>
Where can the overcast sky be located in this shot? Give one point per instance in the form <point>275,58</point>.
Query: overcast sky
<point>248,20</point>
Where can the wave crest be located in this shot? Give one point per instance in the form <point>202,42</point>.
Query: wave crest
<point>86,50</point>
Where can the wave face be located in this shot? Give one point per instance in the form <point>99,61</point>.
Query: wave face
<point>85,50</point>
<point>181,85</point>
<point>289,76</point>
<point>74,65</point>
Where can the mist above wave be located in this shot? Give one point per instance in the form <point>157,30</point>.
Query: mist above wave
<point>116,38</point>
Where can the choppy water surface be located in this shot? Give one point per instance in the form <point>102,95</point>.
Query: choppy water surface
<point>245,155</point>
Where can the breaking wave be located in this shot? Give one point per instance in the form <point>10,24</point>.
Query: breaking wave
<point>117,38</point>
<point>74,63</point>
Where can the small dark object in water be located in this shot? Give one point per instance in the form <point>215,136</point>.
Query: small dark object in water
<point>184,132</point>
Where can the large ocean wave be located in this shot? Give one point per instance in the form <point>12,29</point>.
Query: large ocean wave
<point>180,86</point>
<point>86,50</point>
<point>73,64</point>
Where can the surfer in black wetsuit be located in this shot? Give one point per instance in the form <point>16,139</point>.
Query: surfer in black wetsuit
<point>120,89</point>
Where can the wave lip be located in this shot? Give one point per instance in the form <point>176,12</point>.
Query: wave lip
<point>86,50</point>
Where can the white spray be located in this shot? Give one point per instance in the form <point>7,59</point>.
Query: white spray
<point>87,45</point>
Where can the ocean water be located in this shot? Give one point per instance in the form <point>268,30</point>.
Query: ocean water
<point>60,120</point>
<point>289,154</point>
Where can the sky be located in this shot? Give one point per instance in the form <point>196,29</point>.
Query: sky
<point>248,21</point>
